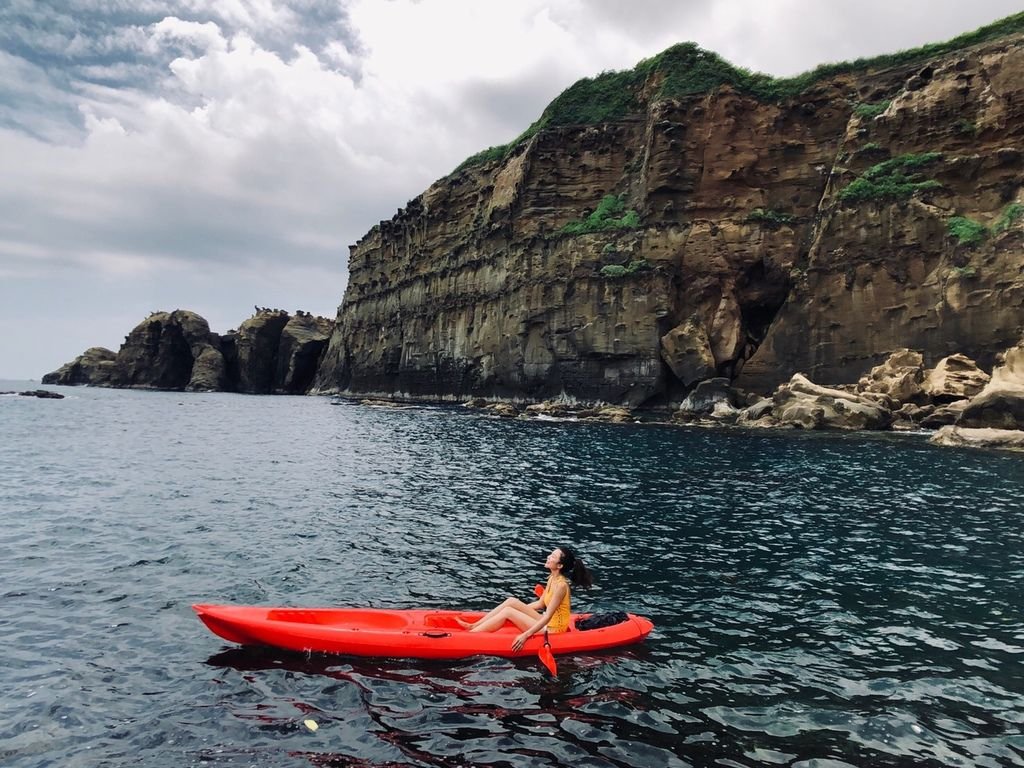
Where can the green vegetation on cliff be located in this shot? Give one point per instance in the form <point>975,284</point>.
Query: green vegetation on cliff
<point>1011,214</point>
<point>617,270</point>
<point>609,214</point>
<point>686,70</point>
<point>971,233</point>
<point>895,179</point>
<point>868,111</point>
<point>770,219</point>
<point>967,231</point>
<point>966,271</point>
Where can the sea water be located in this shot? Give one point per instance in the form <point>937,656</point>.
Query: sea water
<point>820,600</point>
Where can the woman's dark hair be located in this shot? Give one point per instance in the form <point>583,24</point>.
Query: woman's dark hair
<point>573,567</point>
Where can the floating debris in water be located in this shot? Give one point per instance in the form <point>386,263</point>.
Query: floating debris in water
<point>311,724</point>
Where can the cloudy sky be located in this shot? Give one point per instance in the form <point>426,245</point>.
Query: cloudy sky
<point>214,155</point>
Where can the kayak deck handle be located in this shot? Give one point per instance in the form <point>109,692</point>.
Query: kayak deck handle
<point>436,634</point>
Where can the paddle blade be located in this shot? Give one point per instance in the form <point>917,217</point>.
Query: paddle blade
<point>547,658</point>
<point>538,590</point>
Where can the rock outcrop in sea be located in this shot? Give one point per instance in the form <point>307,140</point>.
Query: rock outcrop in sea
<point>94,367</point>
<point>272,352</point>
<point>686,220</point>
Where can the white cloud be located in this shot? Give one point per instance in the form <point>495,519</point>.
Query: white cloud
<point>204,36</point>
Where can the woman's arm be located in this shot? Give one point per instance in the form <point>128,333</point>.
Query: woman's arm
<point>556,600</point>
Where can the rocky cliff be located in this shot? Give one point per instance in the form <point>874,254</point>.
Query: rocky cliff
<point>271,353</point>
<point>687,220</point>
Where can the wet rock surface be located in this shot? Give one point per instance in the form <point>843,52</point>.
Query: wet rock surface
<point>966,437</point>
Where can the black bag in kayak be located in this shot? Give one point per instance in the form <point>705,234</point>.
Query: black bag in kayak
<point>598,620</point>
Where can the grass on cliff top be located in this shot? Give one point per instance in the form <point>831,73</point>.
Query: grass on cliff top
<point>686,69</point>
<point>895,179</point>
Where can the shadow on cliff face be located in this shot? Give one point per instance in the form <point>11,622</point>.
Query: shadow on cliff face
<point>156,354</point>
<point>761,292</point>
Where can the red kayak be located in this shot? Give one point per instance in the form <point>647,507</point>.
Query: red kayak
<point>421,634</point>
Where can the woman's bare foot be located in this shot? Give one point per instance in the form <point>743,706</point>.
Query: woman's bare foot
<point>463,624</point>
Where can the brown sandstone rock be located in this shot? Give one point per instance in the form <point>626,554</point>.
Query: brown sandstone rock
<point>963,437</point>
<point>714,399</point>
<point>610,414</point>
<point>899,377</point>
<point>686,349</point>
<point>553,408</point>
<point>94,367</point>
<point>954,378</point>
<point>758,414</point>
<point>943,415</point>
<point>803,404</point>
<point>504,410</point>
<point>1000,405</point>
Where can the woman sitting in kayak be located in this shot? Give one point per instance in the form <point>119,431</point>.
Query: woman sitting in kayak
<point>565,566</point>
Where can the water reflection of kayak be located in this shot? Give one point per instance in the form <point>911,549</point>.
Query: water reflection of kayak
<point>424,634</point>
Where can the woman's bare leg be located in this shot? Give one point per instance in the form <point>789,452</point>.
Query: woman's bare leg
<point>524,619</point>
<point>510,602</point>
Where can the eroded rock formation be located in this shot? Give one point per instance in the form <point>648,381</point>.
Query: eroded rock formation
<point>303,340</point>
<point>271,352</point>
<point>806,405</point>
<point>956,377</point>
<point>736,248</point>
<point>94,367</point>
<point>1000,405</point>
<point>161,351</point>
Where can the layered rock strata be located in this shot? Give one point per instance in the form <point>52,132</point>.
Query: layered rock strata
<point>745,257</point>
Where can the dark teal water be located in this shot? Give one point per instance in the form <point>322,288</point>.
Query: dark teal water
<point>820,600</point>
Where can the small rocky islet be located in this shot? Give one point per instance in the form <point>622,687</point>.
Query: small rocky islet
<point>272,352</point>
<point>840,250</point>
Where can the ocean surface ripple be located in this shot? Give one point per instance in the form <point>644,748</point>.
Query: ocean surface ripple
<point>820,600</point>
